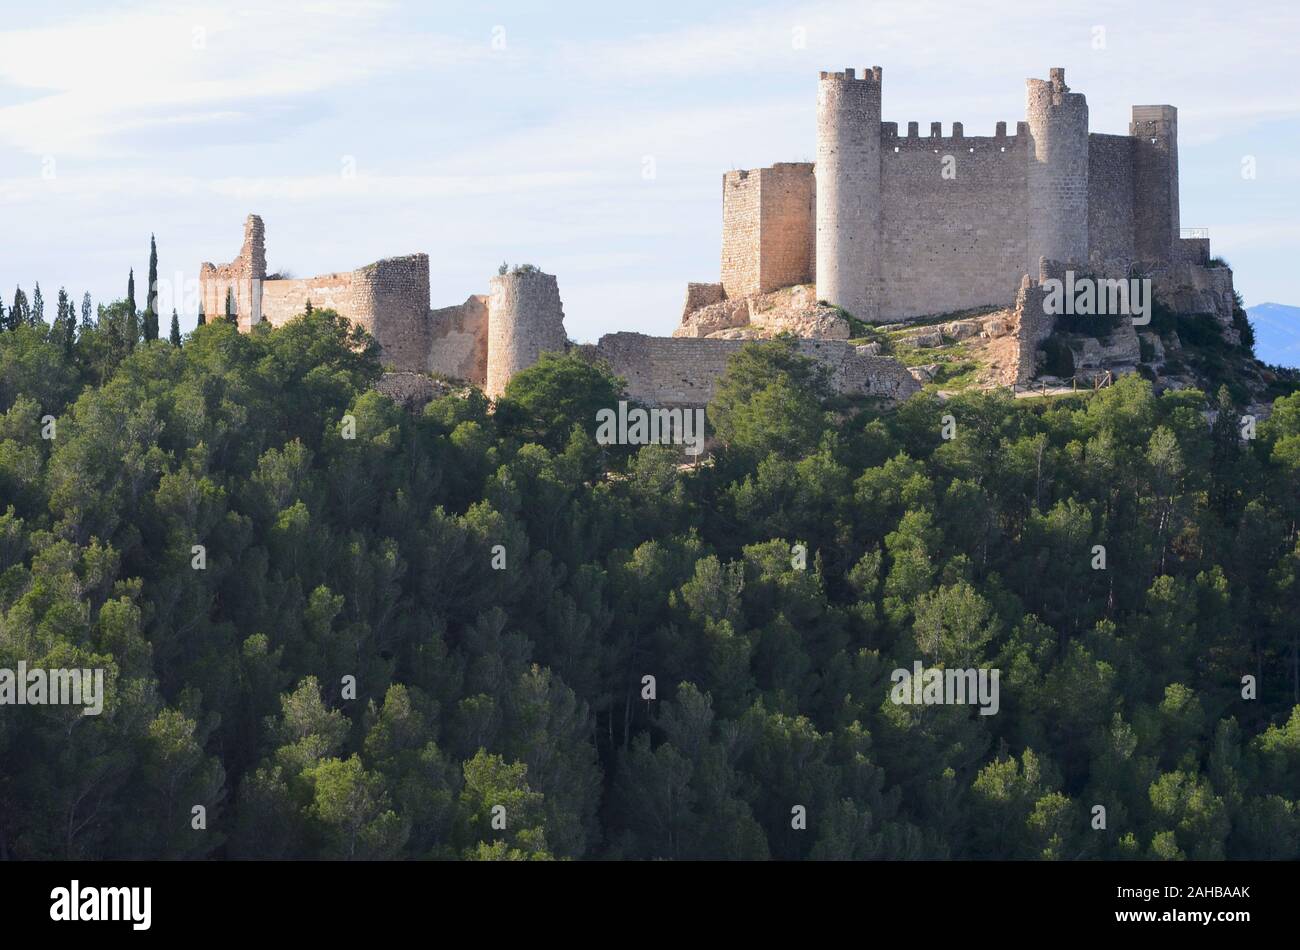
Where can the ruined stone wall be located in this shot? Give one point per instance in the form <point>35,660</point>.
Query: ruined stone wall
<point>1110,197</point>
<point>679,371</point>
<point>390,298</point>
<point>459,337</point>
<point>950,243</point>
<point>1031,323</point>
<point>282,300</point>
<point>525,319</point>
<point>397,290</point>
<point>701,295</point>
<point>242,277</point>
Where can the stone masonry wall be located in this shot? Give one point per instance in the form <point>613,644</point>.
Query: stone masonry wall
<point>243,277</point>
<point>1110,197</point>
<point>282,300</point>
<point>459,338</point>
<point>741,226</point>
<point>953,243</point>
<point>390,298</point>
<point>679,371</point>
<point>398,292</point>
<point>768,228</point>
<point>788,230</point>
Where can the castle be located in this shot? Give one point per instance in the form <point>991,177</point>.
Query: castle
<point>893,226</point>
<point>886,227</point>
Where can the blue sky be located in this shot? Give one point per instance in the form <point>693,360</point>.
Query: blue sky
<point>588,140</point>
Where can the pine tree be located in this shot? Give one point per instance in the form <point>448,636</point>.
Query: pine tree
<point>37,314</point>
<point>175,338</point>
<point>4,321</point>
<point>65,325</point>
<point>19,313</point>
<point>87,315</point>
<point>151,294</point>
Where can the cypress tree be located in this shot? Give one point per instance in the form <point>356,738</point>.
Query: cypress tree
<point>308,310</point>
<point>132,318</point>
<point>87,315</point>
<point>175,338</point>
<point>203,317</point>
<point>151,294</point>
<point>4,322</point>
<point>231,314</point>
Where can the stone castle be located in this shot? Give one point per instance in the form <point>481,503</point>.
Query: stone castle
<point>882,227</point>
<point>893,226</point>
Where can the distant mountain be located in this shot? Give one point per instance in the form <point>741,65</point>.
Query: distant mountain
<point>1277,333</point>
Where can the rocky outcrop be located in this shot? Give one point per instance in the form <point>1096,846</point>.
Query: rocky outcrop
<point>1187,288</point>
<point>792,310</point>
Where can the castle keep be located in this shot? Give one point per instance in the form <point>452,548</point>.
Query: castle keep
<point>891,226</point>
<point>883,226</point>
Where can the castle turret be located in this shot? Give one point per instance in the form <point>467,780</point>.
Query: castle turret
<point>1155,181</point>
<point>1058,172</point>
<point>848,191</point>
<point>525,320</point>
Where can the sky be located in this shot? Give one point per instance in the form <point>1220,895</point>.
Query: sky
<point>588,139</point>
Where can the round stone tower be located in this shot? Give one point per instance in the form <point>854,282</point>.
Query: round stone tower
<point>848,191</point>
<point>1058,172</point>
<point>525,320</point>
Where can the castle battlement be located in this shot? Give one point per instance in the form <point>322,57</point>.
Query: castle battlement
<point>870,74</point>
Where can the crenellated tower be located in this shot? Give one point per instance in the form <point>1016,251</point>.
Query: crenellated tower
<point>848,191</point>
<point>1058,172</point>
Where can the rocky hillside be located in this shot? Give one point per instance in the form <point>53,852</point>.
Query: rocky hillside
<point>1198,336</point>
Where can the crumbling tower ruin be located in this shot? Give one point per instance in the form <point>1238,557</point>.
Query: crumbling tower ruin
<point>526,319</point>
<point>242,279</point>
<point>848,191</point>
<point>1058,171</point>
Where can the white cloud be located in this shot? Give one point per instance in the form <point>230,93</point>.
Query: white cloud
<point>99,77</point>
